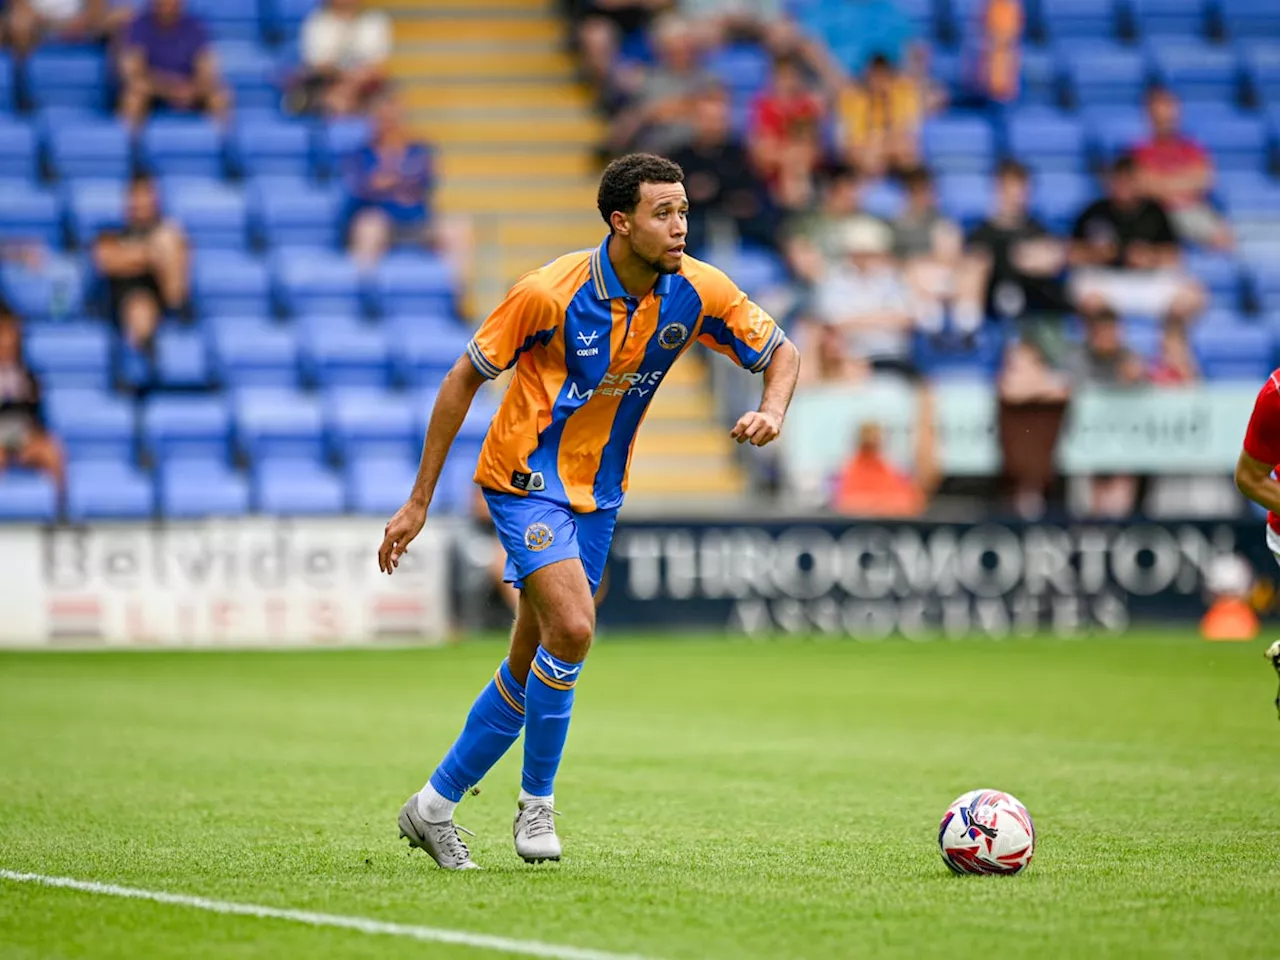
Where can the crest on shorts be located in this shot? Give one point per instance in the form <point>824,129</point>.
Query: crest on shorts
<point>538,536</point>
<point>673,335</point>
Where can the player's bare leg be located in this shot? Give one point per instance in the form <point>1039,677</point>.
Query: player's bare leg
<point>560,597</point>
<point>426,819</point>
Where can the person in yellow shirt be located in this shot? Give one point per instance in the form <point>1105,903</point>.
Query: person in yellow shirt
<point>880,119</point>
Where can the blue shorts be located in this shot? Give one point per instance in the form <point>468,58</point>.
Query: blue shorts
<point>536,533</point>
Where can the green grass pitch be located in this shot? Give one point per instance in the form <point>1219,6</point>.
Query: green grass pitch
<point>720,799</point>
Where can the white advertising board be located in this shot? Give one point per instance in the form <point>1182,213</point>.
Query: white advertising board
<point>258,581</point>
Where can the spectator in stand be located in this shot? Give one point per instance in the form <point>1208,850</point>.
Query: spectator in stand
<point>1126,257</point>
<point>815,239</point>
<point>24,441</point>
<point>786,132</point>
<point>1105,360</point>
<point>722,21</point>
<point>344,54</point>
<point>1177,173</point>
<point>881,119</point>
<point>657,119</point>
<point>872,485</point>
<point>26,23</point>
<point>1024,267</point>
<point>1176,364</point>
<point>168,61</point>
<point>146,265</point>
<point>387,184</point>
<point>1032,406</point>
<point>862,307</point>
<point>995,60</point>
<point>720,181</point>
<point>931,248</point>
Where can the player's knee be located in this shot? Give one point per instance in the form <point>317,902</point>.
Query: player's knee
<point>571,637</point>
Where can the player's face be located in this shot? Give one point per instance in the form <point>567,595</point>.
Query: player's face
<point>659,225</point>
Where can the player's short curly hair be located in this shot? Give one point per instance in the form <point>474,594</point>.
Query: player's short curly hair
<point>620,182</point>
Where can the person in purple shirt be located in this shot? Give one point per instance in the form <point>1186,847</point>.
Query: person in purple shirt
<point>169,62</point>
<point>387,183</point>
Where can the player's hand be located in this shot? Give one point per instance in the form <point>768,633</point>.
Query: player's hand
<point>757,428</point>
<point>399,533</point>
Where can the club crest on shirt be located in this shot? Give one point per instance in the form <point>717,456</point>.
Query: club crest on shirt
<point>673,335</point>
<point>538,536</point>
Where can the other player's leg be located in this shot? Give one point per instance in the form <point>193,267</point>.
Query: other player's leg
<point>492,727</point>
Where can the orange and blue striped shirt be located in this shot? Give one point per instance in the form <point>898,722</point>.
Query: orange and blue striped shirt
<point>588,358</point>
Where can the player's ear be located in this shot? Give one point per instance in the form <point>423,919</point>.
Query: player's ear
<point>620,222</point>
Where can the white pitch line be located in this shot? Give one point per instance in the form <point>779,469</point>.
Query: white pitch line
<point>480,941</point>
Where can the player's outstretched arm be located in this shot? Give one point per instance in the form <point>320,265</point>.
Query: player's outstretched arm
<point>1253,478</point>
<point>452,403</point>
<point>763,426</point>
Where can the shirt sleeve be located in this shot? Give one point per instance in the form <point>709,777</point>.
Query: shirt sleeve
<point>1262,439</point>
<point>1164,232</point>
<point>734,325</point>
<point>374,37</point>
<point>527,317</point>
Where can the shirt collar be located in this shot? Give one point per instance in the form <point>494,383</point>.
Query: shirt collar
<point>605,282</point>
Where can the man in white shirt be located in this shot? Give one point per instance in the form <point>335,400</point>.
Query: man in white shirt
<point>344,53</point>
<point>27,22</point>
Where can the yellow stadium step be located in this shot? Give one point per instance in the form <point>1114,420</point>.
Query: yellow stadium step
<point>695,481</point>
<point>456,163</point>
<point>457,198</point>
<point>526,232</point>
<point>529,130</point>
<point>409,65</point>
<point>400,8</point>
<point>491,96</point>
<point>702,441</point>
<point>477,30</point>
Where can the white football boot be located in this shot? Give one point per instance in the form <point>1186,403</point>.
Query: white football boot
<point>440,840</point>
<point>535,832</point>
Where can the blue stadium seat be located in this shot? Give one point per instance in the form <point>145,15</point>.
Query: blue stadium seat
<point>108,490</point>
<point>92,424</point>
<point>376,484</point>
<point>284,17</point>
<point>214,214</point>
<point>408,282</point>
<point>28,497</point>
<point>7,82</point>
<point>1168,18</point>
<point>1058,197</point>
<point>1260,60</point>
<point>965,196</point>
<point>346,354</point>
<point>187,426</point>
<point>29,214</point>
<point>182,358</point>
<point>1195,70</point>
<point>456,488</point>
<point>1238,141</point>
<point>1114,129</point>
<point>272,148</point>
<point>19,154</point>
<point>1040,78</point>
<point>196,488</point>
<point>755,271</point>
<point>96,149</point>
<point>1221,275</point>
<point>1064,19</point>
<point>70,354</point>
<point>742,68</point>
<point>93,206</point>
<point>1142,335</point>
<point>288,487</point>
<point>67,78</point>
<point>230,282</point>
<point>312,280</point>
<point>250,72</point>
<point>1230,350</point>
<point>279,423</point>
<point>425,349</point>
<point>957,361</point>
<point>884,198</point>
<point>229,19</point>
<point>252,353</point>
<point>53,290</point>
<point>182,146</point>
<point>1104,74</point>
<point>1250,18</point>
<point>1047,140</point>
<point>466,446</point>
<point>364,423</point>
<point>1250,196</point>
<point>293,213</point>
<point>959,143</point>
<point>339,139</point>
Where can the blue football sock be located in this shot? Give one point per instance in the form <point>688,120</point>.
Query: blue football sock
<point>549,701</point>
<point>492,727</point>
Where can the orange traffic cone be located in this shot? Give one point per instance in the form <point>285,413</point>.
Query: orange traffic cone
<point>1229,619</point>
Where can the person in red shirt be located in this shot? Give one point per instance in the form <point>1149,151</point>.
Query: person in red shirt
<point>786,125</point>
<point>1177,172</point>
<point>1260,456</point>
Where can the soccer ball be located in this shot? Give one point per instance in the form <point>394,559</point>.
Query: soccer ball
<point>986,831</point>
